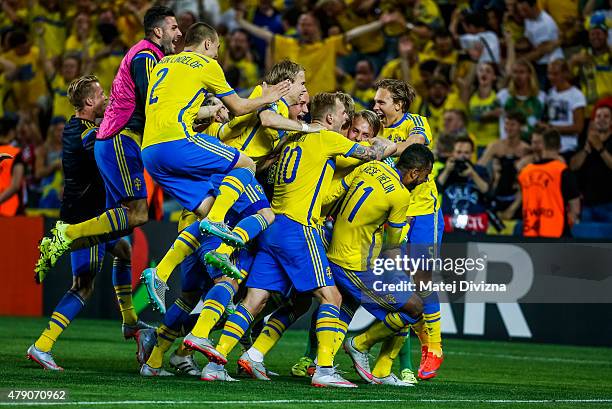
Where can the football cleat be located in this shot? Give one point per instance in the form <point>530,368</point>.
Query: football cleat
<point>406,375</point>
<point>329,377</point>
<point>146,370</point>
<point>60,243</point>
<point>206,347</point>
<point>254,369</point>
<point>361,360</point>
<point>431,366</point>
<point>43,264</point>
<point>145,341</point>
<point>185,364</point>
<point>223,263</point>
<point>212,373</point>
<point>300,369</point>
<point>424,351</point>
<point>130,331</point>
<point>391,380</point>
<point>156,288</point>
<point>221,230</point>
<point>44,359</point>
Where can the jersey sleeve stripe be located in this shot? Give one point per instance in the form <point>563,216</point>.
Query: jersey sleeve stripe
<point>396,225</point>
<point>225,94</point>
<point>350,152</point>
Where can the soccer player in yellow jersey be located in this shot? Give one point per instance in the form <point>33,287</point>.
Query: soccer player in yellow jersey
<point>393,97</point>
<point>182,161</point>
<point>257,134</point>
<point>376,194</point>
<point>291,253</point>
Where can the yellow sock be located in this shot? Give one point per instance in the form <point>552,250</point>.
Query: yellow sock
<point>379,331</point>
<point>55,327</point>
<point>229,191</point>
<point>210,315</point>
<point>184,245</point>
<point>183,351</point>
<point>124,299</point>
<point>110,221</point>
<point>419,329</point>
<point>269,336</point>
<point>434,333</point>
<point>235,327</point>
<point>327,325</point>
<point>389,350</point>
<point>342,330</point>
<point>165,339</point>
<point>225,249</point>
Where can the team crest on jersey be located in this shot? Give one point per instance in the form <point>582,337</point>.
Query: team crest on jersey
<point>390,298</point>
<point>328,272</point>
<point>137,184</point>
<point>259,189</point>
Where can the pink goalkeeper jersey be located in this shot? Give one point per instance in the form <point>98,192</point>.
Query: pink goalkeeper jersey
<point>123,102</point>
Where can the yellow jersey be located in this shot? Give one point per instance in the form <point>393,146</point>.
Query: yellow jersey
<point>423,199</point>
<point>61,104</point>
<point>177,87</point>
<point>54,25</point>
<point>318,59</point>
<point>304,173</point>
<point>253,139</point>
<point>374,196</point>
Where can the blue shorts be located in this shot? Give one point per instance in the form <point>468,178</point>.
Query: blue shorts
<point>183,168</point>
<point>290,255</point>
<point>425,236</point>
<point>89,260</point>
<point>366,288</point>
<point>249,202</point>
<point>120,165</point>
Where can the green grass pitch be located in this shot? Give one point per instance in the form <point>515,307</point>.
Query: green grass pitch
<point>101,369</point>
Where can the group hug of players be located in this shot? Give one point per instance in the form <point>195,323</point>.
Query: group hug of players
<point>244,256</point>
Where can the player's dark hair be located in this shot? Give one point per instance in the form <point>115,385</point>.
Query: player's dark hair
<point>415,156</point>
<point>464,139</point>
<point>281,71</point>
<point>401,92</point>
<point>199,32</point>
<point>552,140</point>
<point>531,3</point>
<point>371,118</point>
<point>322,104</point>
<point>80,89</point>
<point>155,16</point>
<point>517,116</point>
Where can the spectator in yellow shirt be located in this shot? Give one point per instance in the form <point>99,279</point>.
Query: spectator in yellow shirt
<point>406,66</point>
<point>239,57</point>
<point>361,87</point>
<point>316,54</point>
<point>593,65</point>
<point>49,26</point>
<point>29,84</point>
<point>439,99</point>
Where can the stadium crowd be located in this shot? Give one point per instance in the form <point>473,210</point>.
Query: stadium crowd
<point>503,85</point>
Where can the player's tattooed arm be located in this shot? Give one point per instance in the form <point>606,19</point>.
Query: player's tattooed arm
<point>377,151</point>
<point>390,148</point>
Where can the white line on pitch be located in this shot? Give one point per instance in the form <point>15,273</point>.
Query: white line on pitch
<point>300,401</point>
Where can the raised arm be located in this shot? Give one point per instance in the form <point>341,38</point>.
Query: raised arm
<point>255,31</point>
<point>242,106</point>
<point>271,119</point>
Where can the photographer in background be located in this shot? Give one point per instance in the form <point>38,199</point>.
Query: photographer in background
<point>463,186</point>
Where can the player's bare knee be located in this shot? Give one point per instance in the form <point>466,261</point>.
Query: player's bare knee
<point>414,306</point>
<point>204,207</point>
<point>245,162</point>
<point>225,279</point>
<point>329,295</point>
<point>138,212</point>
<point>83,285</point>
<point>267,214</point>
<point>255,300</point>
<point>122,250</point>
